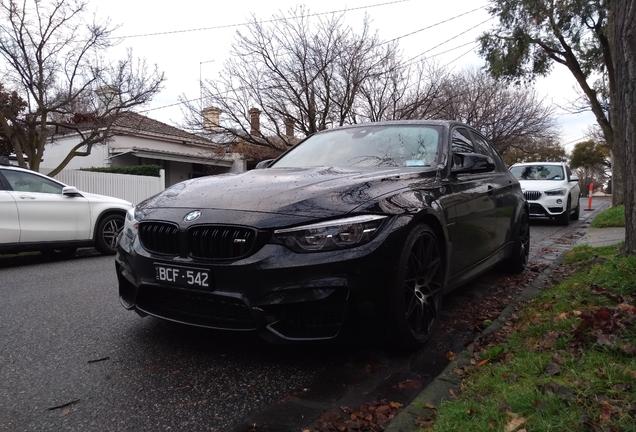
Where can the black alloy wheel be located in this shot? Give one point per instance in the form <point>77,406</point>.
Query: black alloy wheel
<point>521,249</point>
<point>420,288</point>
<point>107,233</point>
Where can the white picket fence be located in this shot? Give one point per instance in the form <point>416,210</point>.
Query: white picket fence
<point>133,188</point>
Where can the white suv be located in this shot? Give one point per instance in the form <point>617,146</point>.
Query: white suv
<point>42,214</point>
<point>550,189</point>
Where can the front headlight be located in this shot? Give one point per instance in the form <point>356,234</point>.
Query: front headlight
<point>556,192</point>
<point>131,225</point>
<point>330,235</point>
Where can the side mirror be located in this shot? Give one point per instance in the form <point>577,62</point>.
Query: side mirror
<point>70,191</point>
<point>471,163</point>
<point>574,178</point>
<point>264,164</point>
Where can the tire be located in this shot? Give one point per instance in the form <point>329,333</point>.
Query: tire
<point>521,249</point>
<point>419,288</point>
<point>107,233</point>
<point>564,218</point>
<point>59,253</point>
<point>577,213</point>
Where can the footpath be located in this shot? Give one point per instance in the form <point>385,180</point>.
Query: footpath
<point>442,387</point>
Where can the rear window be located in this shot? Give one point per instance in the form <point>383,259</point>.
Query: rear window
<point>538,172</point>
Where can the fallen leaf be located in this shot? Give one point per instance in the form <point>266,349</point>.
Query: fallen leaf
<point>557,358</point>
<point>409,384</point>
<point>450,356</point>
<point>627,308</point>
<point>430,405</point>
<point>396,405</point>
<point>383,409</point>
<point>606,412</point>
<point>65,412</point>
<point>483,362</point>
<point>514,424</point>
<point>560,317</point>
<point>452,393</point>
<point>629,349</point>
<point>552,369</point>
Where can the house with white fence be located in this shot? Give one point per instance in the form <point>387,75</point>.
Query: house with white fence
<point>139,140</point>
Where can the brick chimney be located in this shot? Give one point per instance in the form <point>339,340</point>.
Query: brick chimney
<point>289,127</point>
<point>255,121</point>
<point>211,118</point>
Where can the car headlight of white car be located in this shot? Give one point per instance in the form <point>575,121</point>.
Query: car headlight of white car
<point>330,235</point>
<point>556,192</point>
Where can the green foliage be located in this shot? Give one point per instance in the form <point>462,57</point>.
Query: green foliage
<point>11,107</point>
<point>587,154</point>
<point>539,152</point>
<point>532,34</point>
<point>612,217</point>
<point>142,170</point>
<point>569,361</point>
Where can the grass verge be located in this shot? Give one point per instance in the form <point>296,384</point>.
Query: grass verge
<point>565,361</point>
<point>612,217</point>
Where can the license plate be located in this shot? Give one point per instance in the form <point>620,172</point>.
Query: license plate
<point>187,277</point>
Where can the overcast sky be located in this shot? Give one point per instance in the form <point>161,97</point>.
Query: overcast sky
<point>189,39</point>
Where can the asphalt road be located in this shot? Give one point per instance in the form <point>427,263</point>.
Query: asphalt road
<point>72,359</point>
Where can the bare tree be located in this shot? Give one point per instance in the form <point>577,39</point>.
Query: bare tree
<point>52,59</point>
<point>411,91</point>
<point>294,71</point>
<point>512,117</point>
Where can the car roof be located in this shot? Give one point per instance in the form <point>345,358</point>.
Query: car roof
<point>444,123</point>
<point>19,168</point>
<point>537,163</point>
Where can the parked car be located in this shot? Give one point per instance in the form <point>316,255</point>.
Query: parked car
<point>38,213</point>
<point>550,188</point>
<point>356,230</point>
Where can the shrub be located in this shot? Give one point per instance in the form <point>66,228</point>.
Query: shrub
<point>143,170</point>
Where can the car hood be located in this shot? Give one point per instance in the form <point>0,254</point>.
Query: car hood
<point>306,192</point>
<point>543,185</point>
<point>116,202</point>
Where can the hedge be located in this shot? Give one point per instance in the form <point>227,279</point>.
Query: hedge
<point>143,170</point>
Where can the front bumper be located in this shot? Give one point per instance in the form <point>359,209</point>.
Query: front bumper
<point>545,206</point>
<point>285,296</point>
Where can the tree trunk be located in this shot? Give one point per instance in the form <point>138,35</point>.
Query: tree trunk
<point>623,13</point>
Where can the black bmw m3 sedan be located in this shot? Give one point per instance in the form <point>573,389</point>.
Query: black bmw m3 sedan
<point>358,230</point>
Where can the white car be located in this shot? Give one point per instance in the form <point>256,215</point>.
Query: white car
<point>550,189</point>
<point>39,213</point>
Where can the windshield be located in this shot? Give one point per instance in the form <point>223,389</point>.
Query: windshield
<point>538,172</point>
<point>370,146</point>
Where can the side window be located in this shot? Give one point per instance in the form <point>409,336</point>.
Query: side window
<point>461,141</point>
<point>25,182</point>
<point>484,147</point>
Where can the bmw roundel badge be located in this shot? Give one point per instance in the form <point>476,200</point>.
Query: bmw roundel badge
<point>192,216</point>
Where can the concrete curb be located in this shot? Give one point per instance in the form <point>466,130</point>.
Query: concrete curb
<point>439,389</point>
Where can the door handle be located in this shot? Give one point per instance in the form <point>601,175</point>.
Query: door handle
<point>27,197</point>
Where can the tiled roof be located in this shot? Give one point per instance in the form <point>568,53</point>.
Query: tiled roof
<point>133,123</point>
